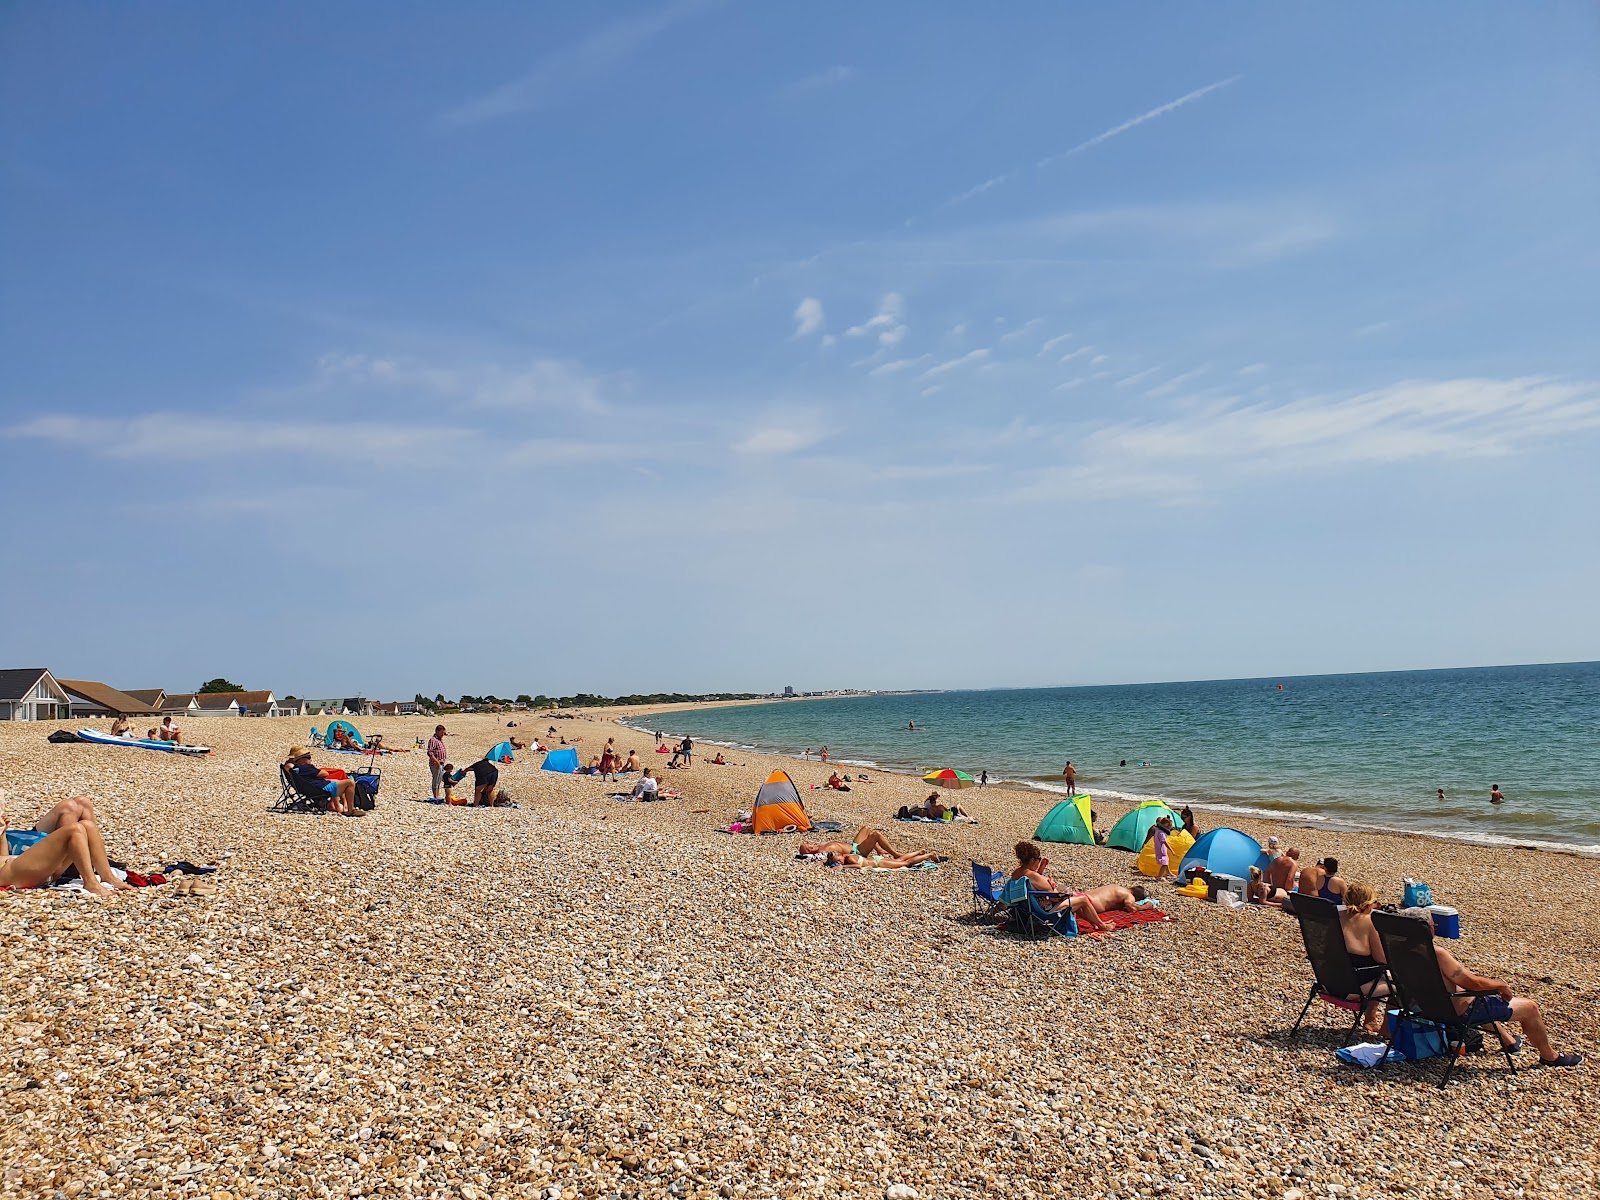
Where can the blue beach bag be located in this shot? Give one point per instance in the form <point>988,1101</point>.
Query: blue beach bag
<point>18,840</point>
<point>1417,895</point>
<point>1416,1040</point>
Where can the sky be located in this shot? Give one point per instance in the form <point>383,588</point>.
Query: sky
<point>397,347</point>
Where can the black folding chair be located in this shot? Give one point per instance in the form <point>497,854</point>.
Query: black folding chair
<point>1338,983</point>
<point>1420,991</point>
<point>297,794</point>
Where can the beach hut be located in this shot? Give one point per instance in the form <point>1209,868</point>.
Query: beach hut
<point>1132,828</point>
<point>1069,821</point>
<point>778,806</point>
<point>1225,852</point>
<point>501,753</point>
<point>563,761</point>
<point>1178,843</point>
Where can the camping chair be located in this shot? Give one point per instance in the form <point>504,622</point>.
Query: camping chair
<point>1032,916</point>
<point>298,795</point>
<point>1335,981</point>
<point>987,887</point>
<point>1420,990</point>
<point>316,736</point>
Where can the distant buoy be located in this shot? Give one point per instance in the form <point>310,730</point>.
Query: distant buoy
<point>1280,687</point>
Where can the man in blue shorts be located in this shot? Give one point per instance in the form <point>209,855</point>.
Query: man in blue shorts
<point>1500,1006</point>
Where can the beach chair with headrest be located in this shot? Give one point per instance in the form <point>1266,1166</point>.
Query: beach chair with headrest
<point>1030,916</point>
<point>298,795</point>
<point>316,737</point>
<point>1420,992</point>
<point>1335,980</point>
<point>987,884</point>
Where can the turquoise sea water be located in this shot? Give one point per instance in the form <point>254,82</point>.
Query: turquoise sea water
<point>1351,751</point>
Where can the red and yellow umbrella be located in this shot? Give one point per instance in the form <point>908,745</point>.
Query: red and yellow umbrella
<point>950,778</point>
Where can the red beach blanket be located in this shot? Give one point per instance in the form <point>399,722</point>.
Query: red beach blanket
<point>1122,919</point>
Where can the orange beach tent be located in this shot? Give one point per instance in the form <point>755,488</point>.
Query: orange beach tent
<point>778,806</point>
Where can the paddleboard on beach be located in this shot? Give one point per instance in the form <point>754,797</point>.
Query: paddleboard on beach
<point>105,739</point>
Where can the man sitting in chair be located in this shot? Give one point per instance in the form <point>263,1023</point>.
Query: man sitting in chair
<point>1501,1006</point>
<point>341,793</point>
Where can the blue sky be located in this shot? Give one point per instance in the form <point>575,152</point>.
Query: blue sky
<point>388,347</point>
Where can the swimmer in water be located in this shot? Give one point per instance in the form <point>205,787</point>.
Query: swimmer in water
<point>1496,796</point>
<point>1441,795</point>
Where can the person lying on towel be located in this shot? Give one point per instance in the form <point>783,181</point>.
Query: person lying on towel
<point>867,844</point>
<point>881,864</point>
<point>933,809</point>
<point>1030,866</point>
<point>1112,898</point>
<point>73,841</point>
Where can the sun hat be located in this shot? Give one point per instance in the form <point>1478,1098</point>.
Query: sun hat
<point>299,752</point>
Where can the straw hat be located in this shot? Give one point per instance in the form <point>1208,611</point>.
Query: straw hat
<point>298,752</point>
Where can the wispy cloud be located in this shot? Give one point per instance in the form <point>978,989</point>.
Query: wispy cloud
<point>544,383</point>
<point>1159,110</point>
<point>1022,331</point>
<point>830,78</point>
<point>1059,339</point>
<point>887,322</point>
<point>808,317</point>
<point>1138,377</point>
<point>1457,419</point>
<point>955,364</point>
<point>560,74</point>
<point>779,439</point>
<point>1177,382</point>
<point>896,365</point>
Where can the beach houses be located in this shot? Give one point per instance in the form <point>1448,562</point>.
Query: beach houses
<point>90,698</point>
<point>32,694</point>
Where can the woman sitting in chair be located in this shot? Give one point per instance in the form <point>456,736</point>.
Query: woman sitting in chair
<point>1031,863</point>
<point>1366,950</point>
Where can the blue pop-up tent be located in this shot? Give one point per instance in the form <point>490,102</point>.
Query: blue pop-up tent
<point>501,753</point>
<point>564,761</point>
<point>355,734</point>
<point>1225,852</point>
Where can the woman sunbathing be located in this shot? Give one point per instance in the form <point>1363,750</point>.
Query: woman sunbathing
<point>869,842</point>
<point>75,842</point>
<point>1030,866</point>
<point>837,783</point>
<point>881,864</point>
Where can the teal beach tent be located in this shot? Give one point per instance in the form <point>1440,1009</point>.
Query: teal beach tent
<point>564,761</point>
<point>355,734</point>
<point>1133,827</point>
<point>501,753</point>
<point>1068,821</point>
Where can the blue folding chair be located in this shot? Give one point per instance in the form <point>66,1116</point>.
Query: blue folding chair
<point>1032,916</point>
<point>987,884</point>
<point>316,736</point>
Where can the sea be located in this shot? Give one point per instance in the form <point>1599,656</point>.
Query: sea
<point>1363,752</point>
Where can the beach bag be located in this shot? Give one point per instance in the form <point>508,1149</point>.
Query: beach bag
<point>62,736</point>
<point>18,840</point>
<point>1416,1040</point>
<point>366,792</point>
<point>1417,895</point>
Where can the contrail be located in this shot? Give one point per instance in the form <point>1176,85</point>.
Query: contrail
<point>1115,131</point>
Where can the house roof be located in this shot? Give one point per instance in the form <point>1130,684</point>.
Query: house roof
<point>103,695</point>
<point>18,683</point>
<point>151,696</point>
<point>242,699</point>
<point>177,701</point>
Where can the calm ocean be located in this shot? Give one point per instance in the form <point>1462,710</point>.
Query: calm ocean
<point>1347,751</point>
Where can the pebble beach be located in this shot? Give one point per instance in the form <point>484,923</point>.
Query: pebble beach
<point>584,997</point>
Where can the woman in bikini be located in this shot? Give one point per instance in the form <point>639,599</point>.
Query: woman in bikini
<point>74,841</point>
<point>868,842</point>
<point>1030,866</point>
<point>1366,950</point>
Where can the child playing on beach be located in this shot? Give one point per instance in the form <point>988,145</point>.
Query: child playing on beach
<point>1159,833</point>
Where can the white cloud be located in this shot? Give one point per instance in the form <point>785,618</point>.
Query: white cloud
<point>1022,331</point>
<point>830,78</point>
<point>542,383</point>
<point>895,366</point>
<point>1098,359</point>
<point>886,322</point>
<point>558,75</point>
<point>1176,382</point>
<point>808,317</point>
<point>1138,377</point>
<point>1253,369</point>
<point>1053,343</point>
<point>780,439</point>
<point>191,437</point>
<point>953,364</point>
<point>1078,353</point>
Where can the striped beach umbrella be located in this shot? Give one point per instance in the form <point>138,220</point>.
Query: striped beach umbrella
<point>950,778</point>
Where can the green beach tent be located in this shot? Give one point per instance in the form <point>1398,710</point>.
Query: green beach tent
<point>1133,827</point>
<point>1068,821</point>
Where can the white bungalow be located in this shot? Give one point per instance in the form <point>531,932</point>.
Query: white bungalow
<point>32,694</point>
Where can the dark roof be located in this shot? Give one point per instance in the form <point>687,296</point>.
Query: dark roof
<point>150,696</point>
<point>103,695</point>
<point>18,683</point>
<point>176,701</point>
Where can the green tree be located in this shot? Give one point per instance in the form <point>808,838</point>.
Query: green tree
<point>524,699</point>
<point>218,684</point>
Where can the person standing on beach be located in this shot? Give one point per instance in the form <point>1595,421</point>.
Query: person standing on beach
<point>823,754</point>
<point>436,760</point>
<point>1160,832</point>
<point>1495,795</point>
<point>1070,774</point>
<point>983,779</point>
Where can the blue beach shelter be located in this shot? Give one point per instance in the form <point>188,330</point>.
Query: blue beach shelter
<point>1225,852</point>
<point>501,753</point>
<point>564,761</point>
<point>355,734</point>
